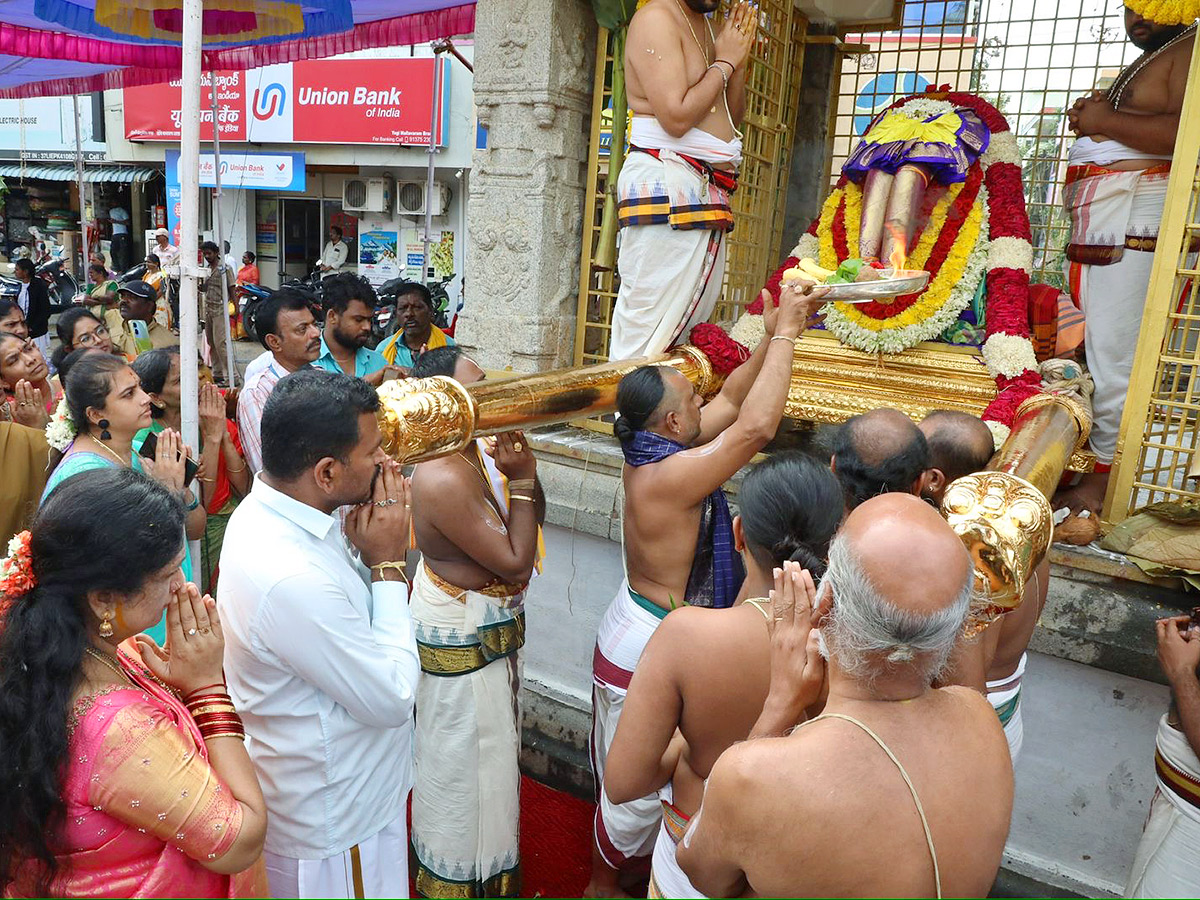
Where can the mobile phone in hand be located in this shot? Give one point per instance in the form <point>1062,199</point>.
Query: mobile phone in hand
<point>150,447</point>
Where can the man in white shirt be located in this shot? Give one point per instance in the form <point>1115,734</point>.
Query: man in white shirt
<point>168,253</point>
<point>333,257</point>
<point>287,329</point>
<point>320,653</point>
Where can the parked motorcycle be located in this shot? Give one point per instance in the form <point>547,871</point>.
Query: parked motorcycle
<point>60,285</point>
<point>250,298</point>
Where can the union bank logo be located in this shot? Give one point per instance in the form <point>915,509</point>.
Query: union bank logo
<point>269,101</point>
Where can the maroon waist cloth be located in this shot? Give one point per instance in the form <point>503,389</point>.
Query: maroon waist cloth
<point>726,181</point>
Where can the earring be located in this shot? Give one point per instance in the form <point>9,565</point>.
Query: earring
<point>105,434</point>
<point>106,629</point>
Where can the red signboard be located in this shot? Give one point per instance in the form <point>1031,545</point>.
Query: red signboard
<point>361,101</point>
<point>153,112</point>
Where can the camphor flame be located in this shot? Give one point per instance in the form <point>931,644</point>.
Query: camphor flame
<point>897,258</point>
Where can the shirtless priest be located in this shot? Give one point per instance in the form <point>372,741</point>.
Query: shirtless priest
<point>678,534</point>
<point>897,789</point>
<point>478,533</point>
<point>687,92</point>
<point>1117,174</point>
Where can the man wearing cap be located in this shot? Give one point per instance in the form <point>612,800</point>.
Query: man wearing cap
<point>168,253</point>
<point>132,324</point>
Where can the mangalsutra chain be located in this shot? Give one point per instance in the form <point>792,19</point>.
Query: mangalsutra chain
<point>1117,89</point>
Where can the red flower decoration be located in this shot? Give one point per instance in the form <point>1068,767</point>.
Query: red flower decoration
<point>16,572</point>
<point>1011,314</point>
<point>722,351</point>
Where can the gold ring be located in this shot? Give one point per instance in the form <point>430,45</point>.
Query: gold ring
<point>518,446</point>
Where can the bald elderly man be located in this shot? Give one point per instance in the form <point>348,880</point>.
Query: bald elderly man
<point>897,789</point>
<point>993,662</point>
<point>879,452</point>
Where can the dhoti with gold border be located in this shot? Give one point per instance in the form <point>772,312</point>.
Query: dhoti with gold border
<point>465,806</point>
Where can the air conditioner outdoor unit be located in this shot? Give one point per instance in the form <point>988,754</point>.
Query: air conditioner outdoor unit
<point>367,194</point>
<point>410,198</point>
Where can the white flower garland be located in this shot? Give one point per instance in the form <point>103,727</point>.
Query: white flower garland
<point>999,430</point>
<point>1008,354</point>
<point>1002,148</point>
<point>1011,253</point>
<point>922,108</point>
<point>808,247</point>
<point>61,431</point>
<point>749,331</point>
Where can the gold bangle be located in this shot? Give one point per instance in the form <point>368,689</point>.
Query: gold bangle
<point>520,484</point>
<point>208,480</point>
<point>780,337</point>
<point>398,565</point>
<point>521,497</point>
<point>229,471</point>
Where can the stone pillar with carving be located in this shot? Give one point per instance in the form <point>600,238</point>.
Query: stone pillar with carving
<point>534,67</point>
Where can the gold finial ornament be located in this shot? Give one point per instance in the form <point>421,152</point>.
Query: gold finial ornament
<point>1003,513</point>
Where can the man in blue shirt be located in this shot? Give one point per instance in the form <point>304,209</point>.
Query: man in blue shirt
<point>349,302</point>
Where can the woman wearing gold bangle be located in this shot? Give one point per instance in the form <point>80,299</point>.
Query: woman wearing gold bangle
<point>101,750</point>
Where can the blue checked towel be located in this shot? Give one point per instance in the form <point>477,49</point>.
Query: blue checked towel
<point>717,570</point>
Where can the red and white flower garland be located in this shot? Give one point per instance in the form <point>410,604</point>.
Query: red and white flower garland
<point>1007,350</point>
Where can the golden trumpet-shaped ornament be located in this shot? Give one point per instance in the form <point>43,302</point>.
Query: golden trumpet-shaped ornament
<point>424,418</point>
<point>1003,513</point>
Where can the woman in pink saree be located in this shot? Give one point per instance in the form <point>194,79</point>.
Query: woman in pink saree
<point>125,770</point>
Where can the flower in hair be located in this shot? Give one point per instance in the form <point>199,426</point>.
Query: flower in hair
<point>16,569</point>
<point>61,430</point>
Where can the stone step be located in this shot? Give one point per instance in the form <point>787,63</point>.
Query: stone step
<point>1084,778</point>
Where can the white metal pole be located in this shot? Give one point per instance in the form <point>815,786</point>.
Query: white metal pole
<point>429,184</point>
<point>230,371</point>
<point>189,226</point>
<point>83,216</point>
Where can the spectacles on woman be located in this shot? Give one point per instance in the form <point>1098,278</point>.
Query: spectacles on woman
<point>92,337</point>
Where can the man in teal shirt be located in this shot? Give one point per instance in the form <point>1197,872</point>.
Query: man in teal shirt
<point>349,303</point>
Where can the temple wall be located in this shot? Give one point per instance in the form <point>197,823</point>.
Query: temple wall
<point>534,66</point>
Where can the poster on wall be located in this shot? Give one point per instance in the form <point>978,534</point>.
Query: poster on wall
<point>378,256</point>
<point>266,228</point>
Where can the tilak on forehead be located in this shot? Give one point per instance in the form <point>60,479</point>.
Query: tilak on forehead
<point>1166,12</point>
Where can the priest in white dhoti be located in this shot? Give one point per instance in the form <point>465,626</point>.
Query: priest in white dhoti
<point>476,521</point>
<point>1116,187</point>
<point>1166,863</point>
<point>686,86</point>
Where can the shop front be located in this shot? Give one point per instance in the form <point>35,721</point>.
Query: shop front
<point>41,203</point>
<point>340,142</point>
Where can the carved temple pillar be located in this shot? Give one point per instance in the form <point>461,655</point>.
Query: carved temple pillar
<point>534,63</point>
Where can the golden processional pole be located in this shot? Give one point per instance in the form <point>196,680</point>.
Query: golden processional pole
<point>424,418</point>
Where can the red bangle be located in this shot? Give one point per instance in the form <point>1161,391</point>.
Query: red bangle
<point>218,684</point>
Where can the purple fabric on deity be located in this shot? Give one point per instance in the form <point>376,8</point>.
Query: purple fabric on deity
<point>717,571</point>
<point>946,163</point>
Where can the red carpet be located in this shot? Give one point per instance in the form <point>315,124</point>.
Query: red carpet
<point>556,841</point>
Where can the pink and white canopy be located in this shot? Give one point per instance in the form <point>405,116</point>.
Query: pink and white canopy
<point>55,47</point>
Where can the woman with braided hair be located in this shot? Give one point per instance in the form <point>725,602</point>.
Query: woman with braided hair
<point>702,679</point>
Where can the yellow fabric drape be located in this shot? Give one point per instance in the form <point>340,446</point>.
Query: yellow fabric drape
<point>437,338</point>
<point>897,127</point>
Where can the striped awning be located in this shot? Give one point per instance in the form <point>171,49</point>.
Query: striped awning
<point>122,174</point>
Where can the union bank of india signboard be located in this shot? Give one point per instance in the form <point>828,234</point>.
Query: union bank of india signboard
<point>327,101</point>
